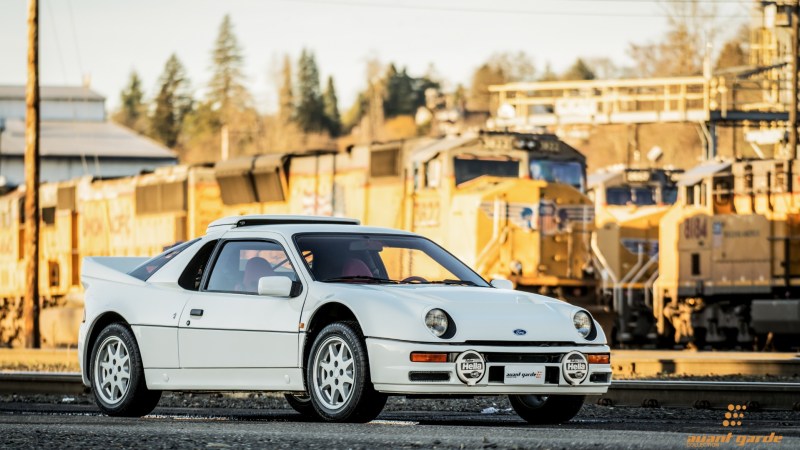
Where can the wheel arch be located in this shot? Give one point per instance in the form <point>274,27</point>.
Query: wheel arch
<point>102,321</point>
<point>323,316</point>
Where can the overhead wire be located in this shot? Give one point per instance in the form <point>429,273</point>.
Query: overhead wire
<point>532,12</point>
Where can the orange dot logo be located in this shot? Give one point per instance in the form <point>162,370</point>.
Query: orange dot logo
<point>733,415</point>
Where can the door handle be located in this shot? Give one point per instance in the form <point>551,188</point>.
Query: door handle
<point>196,313</point>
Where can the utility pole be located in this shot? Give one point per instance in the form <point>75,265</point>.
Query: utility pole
<point>31,305</point>
<point>793,106</point>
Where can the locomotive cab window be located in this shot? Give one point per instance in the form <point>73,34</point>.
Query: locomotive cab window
<point>467,169</point>
<point>566,172</point>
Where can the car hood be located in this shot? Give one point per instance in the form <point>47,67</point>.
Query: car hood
<point>479,314</point>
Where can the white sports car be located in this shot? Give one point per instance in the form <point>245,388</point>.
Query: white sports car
<point>337,316</point>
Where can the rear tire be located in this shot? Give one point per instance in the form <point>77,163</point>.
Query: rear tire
<point>117,374</point>
<point>338,376</point>
<point>302,404</point>
<point>546,409</point>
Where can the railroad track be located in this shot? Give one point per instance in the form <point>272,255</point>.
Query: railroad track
<point>637,393</point>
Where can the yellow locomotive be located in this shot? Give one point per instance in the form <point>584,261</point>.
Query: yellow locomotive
<point>730,256</point>
<point>629,204</point>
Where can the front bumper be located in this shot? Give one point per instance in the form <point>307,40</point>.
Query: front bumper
<point>392,370</point>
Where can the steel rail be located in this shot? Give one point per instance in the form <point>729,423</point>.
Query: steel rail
<point>703,394</point>
<point>41,383</point>
<point>637,393</point>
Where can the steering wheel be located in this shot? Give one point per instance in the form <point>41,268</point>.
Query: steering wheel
<point>414,279</point>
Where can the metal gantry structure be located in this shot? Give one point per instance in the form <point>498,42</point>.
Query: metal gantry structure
<point>761,96</point>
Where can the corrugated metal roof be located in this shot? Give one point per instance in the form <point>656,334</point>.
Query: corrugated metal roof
<point>697,173</point>
<point>11,92</point>
<point>104,139</point>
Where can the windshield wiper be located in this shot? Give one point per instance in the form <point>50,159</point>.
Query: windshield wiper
<point>454,282</point>
<point>364,278</point>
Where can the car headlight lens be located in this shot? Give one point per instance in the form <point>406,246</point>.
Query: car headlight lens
<point>436,321</point>
<point>582,322</point>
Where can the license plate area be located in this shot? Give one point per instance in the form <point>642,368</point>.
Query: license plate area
<point>524,374</point>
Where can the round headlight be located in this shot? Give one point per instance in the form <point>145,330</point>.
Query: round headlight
<point>436,321</point>
<point>582,322</point>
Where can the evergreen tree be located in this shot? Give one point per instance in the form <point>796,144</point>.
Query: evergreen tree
<point>227,93</point>
<point>356,112</point>
<point>132,108</point>
<point>172,103</point>
<point>331,108</point>
<point>400,96</point>
<point>578,71</point>
<point>309,110</point>
<point>286,96</point>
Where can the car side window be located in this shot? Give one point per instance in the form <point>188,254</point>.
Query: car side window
<point>192,275</point>
<point>241,264</point>
<point>152,265</point>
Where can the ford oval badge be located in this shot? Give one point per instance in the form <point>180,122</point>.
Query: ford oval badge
<point>520,332</point>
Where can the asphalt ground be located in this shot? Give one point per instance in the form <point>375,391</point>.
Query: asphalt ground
<point>265,421</point>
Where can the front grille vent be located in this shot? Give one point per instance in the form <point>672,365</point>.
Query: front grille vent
<point>429,377</point>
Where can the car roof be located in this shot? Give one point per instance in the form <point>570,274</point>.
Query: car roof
<point>291,225</point>
<point>292,229</point>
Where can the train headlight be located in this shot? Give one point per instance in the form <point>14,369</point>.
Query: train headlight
<point>583,323</point>
<point>436,321</point>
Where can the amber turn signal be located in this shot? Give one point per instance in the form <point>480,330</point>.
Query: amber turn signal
<point>599,358</point>
<point>429,357</point>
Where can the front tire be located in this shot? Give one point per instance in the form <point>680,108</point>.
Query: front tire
<point>338,376</point>
<point>544,409</point>
<point>117,374</point>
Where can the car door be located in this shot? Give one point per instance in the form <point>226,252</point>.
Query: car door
<point>226,324</point>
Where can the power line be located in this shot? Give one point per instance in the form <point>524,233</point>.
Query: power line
<point>529,12</point>
<point>75,38</point>
<point>54,29</point>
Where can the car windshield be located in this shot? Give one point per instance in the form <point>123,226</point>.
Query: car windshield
<point>382,259</point>
<point>569,172</point>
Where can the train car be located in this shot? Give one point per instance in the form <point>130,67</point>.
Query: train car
<point>730,257</point>
<point>629,204</point>
<point>128,216</point>
<point>12,265</point>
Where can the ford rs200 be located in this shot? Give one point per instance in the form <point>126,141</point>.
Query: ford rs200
<point>335,315</point>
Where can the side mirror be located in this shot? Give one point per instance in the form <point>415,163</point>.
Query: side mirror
<point>275,286</point>
<point>501,283</point>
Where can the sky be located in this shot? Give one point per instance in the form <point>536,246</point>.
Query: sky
<point>107,39</point>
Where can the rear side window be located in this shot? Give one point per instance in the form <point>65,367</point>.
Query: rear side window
<point>193,274</point>
<point>151,266</point>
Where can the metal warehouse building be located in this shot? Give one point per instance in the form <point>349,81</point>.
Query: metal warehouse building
<point>76,138</point>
